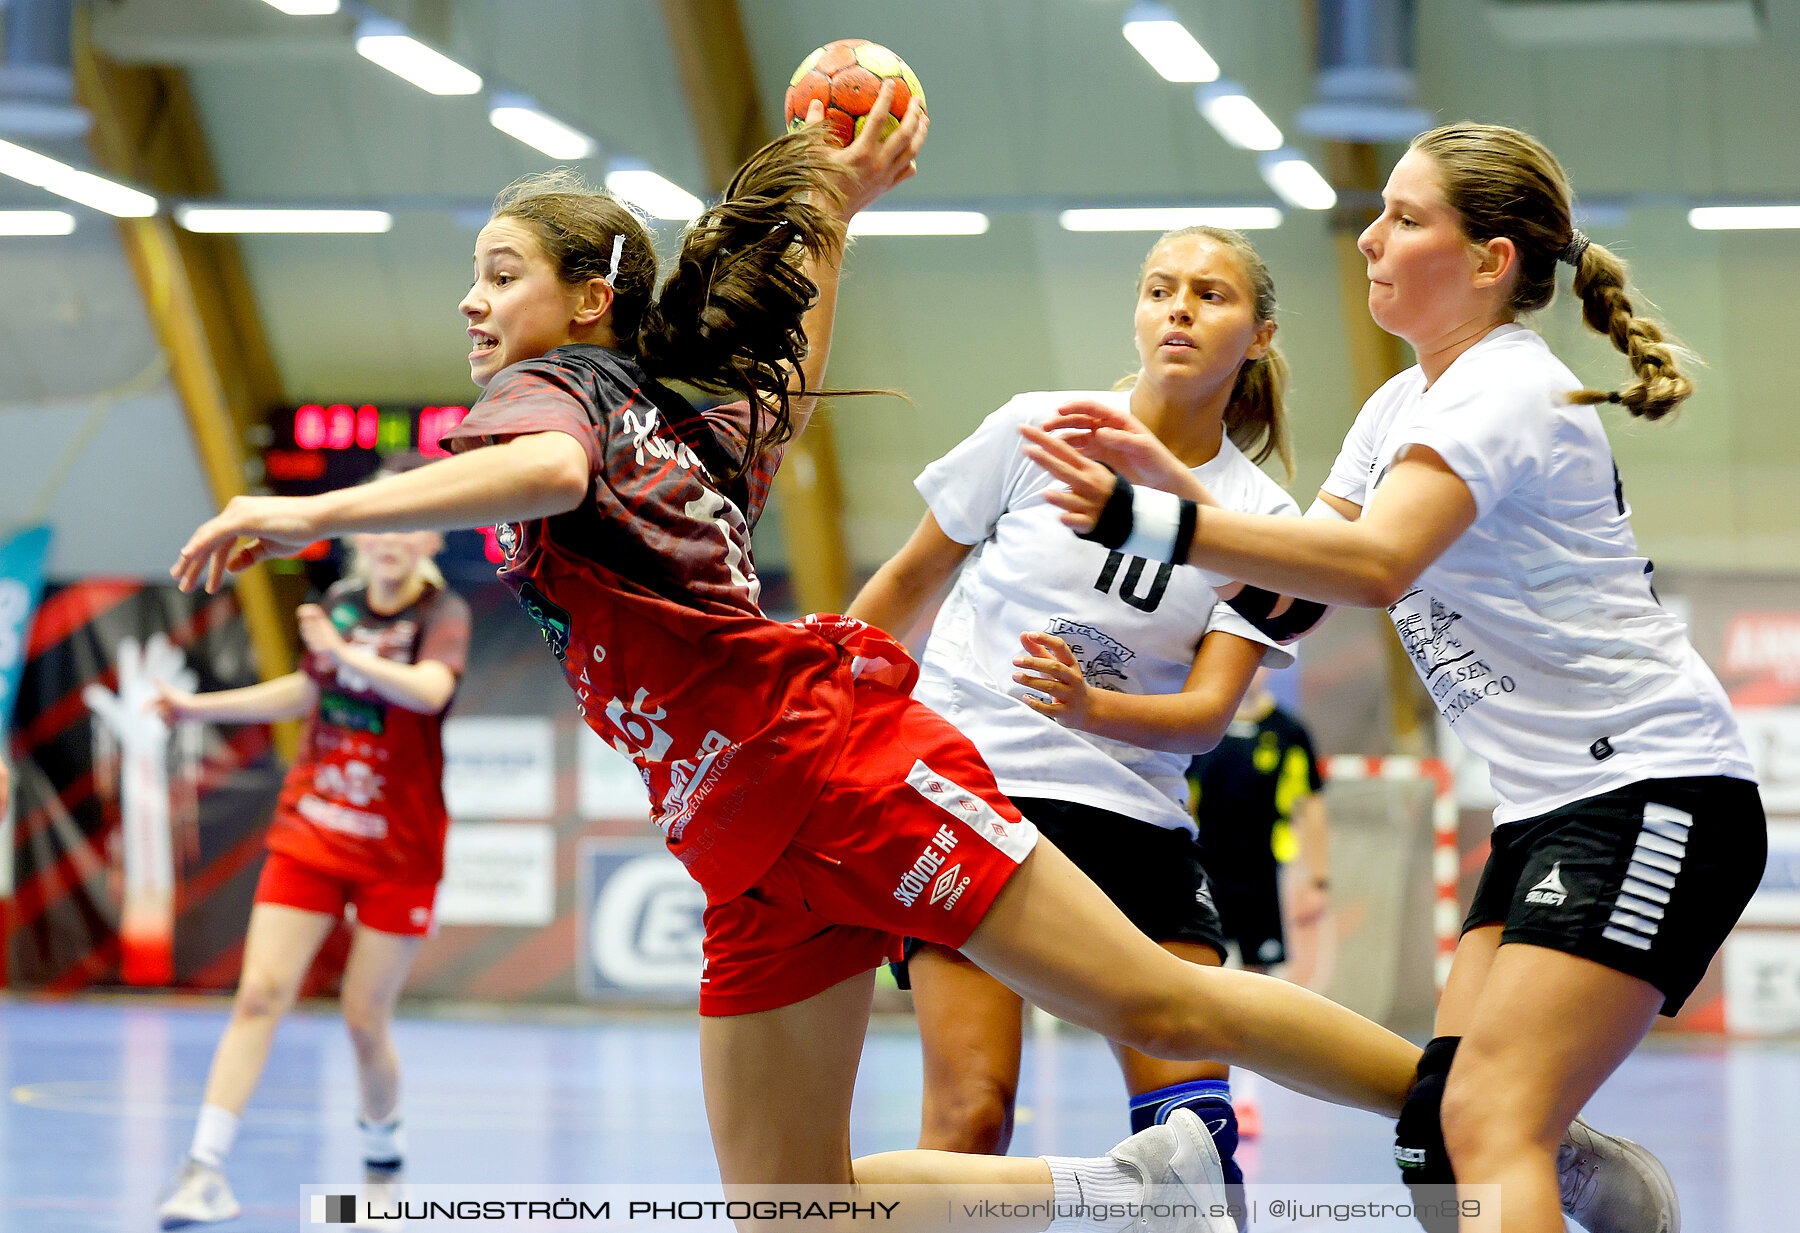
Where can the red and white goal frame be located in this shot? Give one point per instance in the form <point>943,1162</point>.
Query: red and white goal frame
<point>1446,862</point>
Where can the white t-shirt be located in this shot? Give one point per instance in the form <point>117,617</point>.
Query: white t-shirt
<point>1134,625</point>
<point>1537,632</point>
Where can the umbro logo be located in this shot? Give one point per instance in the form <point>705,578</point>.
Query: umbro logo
<point>1550,890</point>
<point>949,886</point>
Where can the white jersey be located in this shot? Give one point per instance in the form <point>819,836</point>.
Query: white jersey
<point>1134,625</point>
<point>1537,632</point>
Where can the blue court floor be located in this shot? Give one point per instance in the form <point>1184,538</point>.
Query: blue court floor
<point>100,1099</point>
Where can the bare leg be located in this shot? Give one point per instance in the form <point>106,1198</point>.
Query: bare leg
<point>1144,1073</point>
<point>971,1027</point>
<point>1055,937</point>
<point>1469,969</point>
<point>778,1087</point>
<point>1544,1033</point>
<point>373,976</point>
<point>278,950</point>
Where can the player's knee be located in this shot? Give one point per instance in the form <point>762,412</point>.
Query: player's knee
<point>976,1118</point>
<point>366,1019</point>
<point>259,997</point>
<point>1177,1027</point>
<point>1488,1122</point>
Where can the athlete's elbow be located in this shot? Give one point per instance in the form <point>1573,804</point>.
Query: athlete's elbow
<point>1383,583</point>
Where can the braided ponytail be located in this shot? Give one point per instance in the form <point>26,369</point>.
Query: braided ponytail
<point>1660,385</point>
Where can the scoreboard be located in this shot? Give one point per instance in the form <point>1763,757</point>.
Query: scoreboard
<point>309,447</point>
<point>318,447</point>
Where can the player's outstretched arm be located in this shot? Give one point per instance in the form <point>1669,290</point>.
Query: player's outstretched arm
<point>526,477</point>
<point>1420,510</point>
<point>286,697</point>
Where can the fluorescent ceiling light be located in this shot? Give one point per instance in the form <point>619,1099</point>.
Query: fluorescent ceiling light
<point>252,220</point>
<point>919,222</point>
<point>1296,181</point>
<point>519,117</point>
<point>1237,117</point>
<point>1169,218</point>
<point>1744,218</point>
<point>90,190</point>
<point>305,8</point>
<point>654,195</point>
<point>36,222</point>
<point>1166,44</point>
<point>404,56</point>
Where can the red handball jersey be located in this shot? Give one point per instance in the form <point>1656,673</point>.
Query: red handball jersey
<point>365,799</point>
<point>648,595</point>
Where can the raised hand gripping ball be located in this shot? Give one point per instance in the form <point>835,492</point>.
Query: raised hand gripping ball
<point>846,76</point>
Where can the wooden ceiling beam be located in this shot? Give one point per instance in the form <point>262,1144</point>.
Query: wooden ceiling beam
<point>146,129</point>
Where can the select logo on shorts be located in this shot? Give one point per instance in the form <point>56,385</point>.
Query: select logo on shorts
<point>334,1209</point>
<point>1549,892</point>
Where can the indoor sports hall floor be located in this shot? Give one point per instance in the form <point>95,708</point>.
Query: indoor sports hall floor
<point>100,1098</point>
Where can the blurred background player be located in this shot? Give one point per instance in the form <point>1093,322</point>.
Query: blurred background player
<point>1130,667</point>
<point>1257,804</point>
<point>1262,822</point>
<point>360,825</point>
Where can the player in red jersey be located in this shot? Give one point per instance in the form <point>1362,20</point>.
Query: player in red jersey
<point>823,812</point>
<point>360,821</point>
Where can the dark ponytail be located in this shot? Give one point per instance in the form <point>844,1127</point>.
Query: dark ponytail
<point>729,319</point>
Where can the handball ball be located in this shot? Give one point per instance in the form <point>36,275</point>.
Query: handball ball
<point>845,76</point>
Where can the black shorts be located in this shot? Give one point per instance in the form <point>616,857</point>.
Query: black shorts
<point>1151,872</point>
<point>1646,879</point>
<point>1251,915</point>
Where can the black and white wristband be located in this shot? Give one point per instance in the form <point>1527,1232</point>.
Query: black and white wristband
<point>1145,522</point>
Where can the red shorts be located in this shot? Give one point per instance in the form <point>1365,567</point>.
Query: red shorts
<point>909,838</point>
<point>390,907</point>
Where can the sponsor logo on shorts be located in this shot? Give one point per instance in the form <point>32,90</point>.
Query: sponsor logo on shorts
<point>924,871</point>
<point>1550,891</point>
<point>1414,1156</point>
<point>948,888</point>
<point>421,916</point>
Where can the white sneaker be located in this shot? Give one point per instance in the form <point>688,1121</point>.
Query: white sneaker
<point>1612,1185</point>
<point>1179,1167</point>
<point>383,1190</point>
<point>200,1195</point>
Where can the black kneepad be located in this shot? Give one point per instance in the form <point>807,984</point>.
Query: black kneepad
<point>1419,1136</point>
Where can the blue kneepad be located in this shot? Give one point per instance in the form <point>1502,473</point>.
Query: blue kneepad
<point>1210,1099</point>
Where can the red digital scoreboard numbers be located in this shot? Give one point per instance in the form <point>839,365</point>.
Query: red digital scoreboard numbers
<point>303,440</point>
